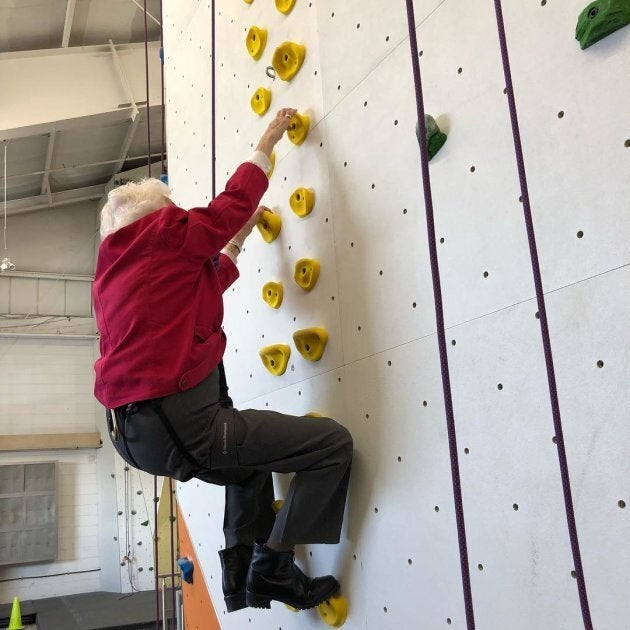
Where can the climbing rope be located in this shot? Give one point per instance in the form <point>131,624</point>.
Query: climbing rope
<point>146,74</point>
<point>544,327</point>
<point>172,522</point>
<point>163,171</point>
<point>155,553</point>
<point>439,316</point>
<point>213,105</point>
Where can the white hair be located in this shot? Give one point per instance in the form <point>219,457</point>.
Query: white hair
<point>132,201</point>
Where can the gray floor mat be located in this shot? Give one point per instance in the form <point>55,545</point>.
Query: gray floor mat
<point>97,611</point>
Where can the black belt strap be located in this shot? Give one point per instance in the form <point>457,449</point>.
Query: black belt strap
<point>121,430</point>
<point>224,398</point>
<point>157,406</point>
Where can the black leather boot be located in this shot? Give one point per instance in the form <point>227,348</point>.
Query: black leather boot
<point>235,564</point>
<point>274,575</point>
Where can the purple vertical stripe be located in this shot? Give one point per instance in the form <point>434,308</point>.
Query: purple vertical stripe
<point>544,327</point>
<point>172,521</point>
<point>439,316</point>
<point>155,553</point>
<point>146,73</point>
<point>163,171</point>
<point>213,104</point>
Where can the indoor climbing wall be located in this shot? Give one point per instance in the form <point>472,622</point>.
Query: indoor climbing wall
<point>134,490</point>
<point>399,559</point>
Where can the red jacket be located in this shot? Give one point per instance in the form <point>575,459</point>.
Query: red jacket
<point>158,296</point>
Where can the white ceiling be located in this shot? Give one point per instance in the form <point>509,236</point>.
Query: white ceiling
<point>39,24</point>
<point>97,147</point>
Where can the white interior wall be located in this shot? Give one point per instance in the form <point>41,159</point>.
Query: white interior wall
<point>49,389</point>
<point>398,561</point>
<point>34,239</point>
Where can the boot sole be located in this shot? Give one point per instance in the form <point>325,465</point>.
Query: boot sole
<point>255,600</point>
<point>235,602</point>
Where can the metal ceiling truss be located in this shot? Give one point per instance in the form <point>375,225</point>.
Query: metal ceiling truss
<point>111,111</point>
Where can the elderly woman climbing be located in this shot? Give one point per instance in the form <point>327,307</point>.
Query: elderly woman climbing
<point>160,276</point>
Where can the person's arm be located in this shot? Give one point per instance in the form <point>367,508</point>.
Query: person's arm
<point>210,228</point>
<point>225,264</point>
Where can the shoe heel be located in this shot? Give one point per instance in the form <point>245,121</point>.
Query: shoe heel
<point>235,602</point>
<point>258,601</point>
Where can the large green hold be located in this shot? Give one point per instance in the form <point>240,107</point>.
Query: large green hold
<point>435,137</point>
<point>600,19</point>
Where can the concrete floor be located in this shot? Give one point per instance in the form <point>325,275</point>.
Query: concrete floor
<point>89,611</point>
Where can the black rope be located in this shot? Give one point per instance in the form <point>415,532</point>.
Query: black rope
<point>439,316</point>
<point>213,105</point>
<point>155,553</point>
<point>157,407</point>
<point>146,75</point>
<point>163,170</point>
<point>544,326</point>
<point>172,519</point>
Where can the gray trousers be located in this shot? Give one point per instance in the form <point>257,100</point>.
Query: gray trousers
<point>240,450</point>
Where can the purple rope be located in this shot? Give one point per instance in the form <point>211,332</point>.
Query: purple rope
<point>155,551</point>
<point>544,327</point>
<point>439,316</point>
<point>146,73</point>
<point>213,104</point>
<point>163,171</point>
<point>172,520</point>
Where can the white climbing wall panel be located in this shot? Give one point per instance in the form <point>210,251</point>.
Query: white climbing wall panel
<point>398,561</point>
<point>135,527</point>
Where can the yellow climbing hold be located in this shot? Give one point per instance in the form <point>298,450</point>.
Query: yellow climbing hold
<point>287,60</point>
<point>334,611</point>
<point>276,506</point>
<point>256,41</point>
<point>306,273</point>
<point>285,6</point>
<point>302,201</point>
<point>311,342</point>
<point>276,358</point>
<point>248,1</point>
<point>272,294</point>
<point>298,128</point>
<point>261,101</point>
<point>313,414</point>
<point>269,225</point>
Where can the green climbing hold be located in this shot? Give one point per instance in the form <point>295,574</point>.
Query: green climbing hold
<point>600,19</point>
<point>144,524</point>
<point>435,137</point>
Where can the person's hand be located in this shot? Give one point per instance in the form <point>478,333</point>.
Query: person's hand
<point>246,230</point>
<point>276,130</point>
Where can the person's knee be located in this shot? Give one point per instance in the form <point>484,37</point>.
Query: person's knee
<point>343,438</point>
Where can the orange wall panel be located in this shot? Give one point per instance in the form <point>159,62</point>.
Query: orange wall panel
<point>199,613</point>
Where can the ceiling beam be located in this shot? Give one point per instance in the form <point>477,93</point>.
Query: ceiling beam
<point>67,26</point>
<point>46,275</point>
<point>124,150</point>
<point>64,198</point>
<point>123,79</point>
<point>49,154</point>
<point>45,128</point>
<point>148,14</point>
<point>128,158</point>
<point>109,83</point>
